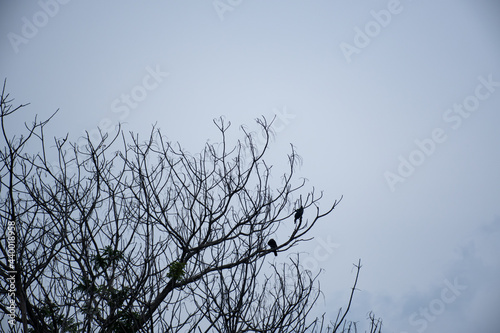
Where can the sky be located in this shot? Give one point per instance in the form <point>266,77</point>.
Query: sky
<point>392,104</point>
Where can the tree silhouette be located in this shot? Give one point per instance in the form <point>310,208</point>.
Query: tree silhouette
<point>122,235</point>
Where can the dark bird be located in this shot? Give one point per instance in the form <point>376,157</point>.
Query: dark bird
<point>273,245</point>
<point>298,214</point>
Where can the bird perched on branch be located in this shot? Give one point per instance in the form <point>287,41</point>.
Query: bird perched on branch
<point>298,214</point>
<point>273,245</point>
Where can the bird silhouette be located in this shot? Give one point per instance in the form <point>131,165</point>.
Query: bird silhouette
<point>273,245</point>
<point>298,214</point>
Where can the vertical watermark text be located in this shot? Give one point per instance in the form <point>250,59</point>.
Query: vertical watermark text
<point>11,280</point>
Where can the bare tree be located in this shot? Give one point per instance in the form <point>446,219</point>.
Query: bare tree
<point>123,235</point>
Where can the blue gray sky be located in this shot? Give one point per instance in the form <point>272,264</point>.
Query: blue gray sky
<point>393,104</point>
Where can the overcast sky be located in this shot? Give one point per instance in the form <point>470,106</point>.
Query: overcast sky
<point>393,104</point>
